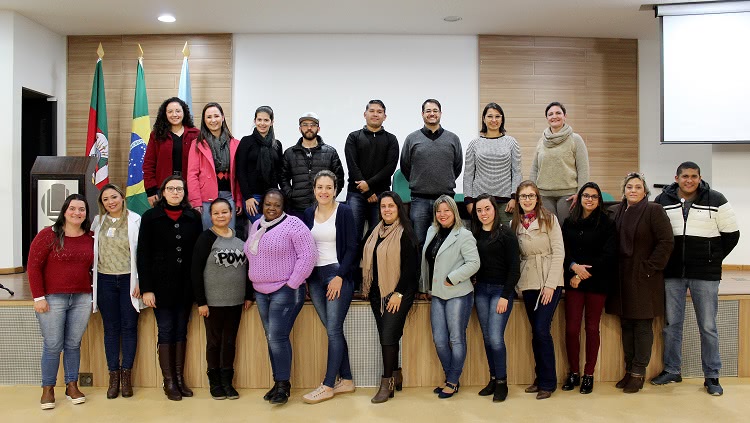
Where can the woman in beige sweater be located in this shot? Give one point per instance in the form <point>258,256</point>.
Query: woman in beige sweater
<point>561,163</point>
<point>542,253</point>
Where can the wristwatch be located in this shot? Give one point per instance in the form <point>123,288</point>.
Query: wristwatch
<point>399,295</point>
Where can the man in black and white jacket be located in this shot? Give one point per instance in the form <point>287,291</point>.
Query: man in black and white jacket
<point>705,232</point>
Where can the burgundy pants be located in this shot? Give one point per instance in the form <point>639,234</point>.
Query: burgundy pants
<point>575,304</point>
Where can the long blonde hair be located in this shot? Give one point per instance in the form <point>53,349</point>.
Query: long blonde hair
<point>446,199</point>
<point>102,209</point>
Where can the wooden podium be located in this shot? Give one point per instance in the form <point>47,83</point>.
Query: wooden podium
<point>53,179</point>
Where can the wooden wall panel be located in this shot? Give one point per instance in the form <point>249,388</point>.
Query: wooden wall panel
<point>597,81</point>
<point>210,74</point>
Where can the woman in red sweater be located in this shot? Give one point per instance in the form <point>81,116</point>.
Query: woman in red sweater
<point>59,266</point>
<point>168,145</point>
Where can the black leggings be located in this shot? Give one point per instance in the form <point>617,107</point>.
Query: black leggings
<point>222,324</point>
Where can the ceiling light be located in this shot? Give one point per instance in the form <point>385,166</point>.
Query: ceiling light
<point>166,18</point>
<point>452,18</point>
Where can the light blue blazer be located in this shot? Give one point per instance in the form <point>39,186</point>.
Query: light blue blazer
<point>457,259</point>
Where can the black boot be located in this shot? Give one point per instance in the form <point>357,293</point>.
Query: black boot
<point>166,362</point>
<point>214,384</point>
<point>269,394</point>
<point>489,389</point>
<point>587,384</point>
<point>571,381</point>
<point>501,390</point>
<point>179,365</point>
<point>281,393</point>
<point>226,382</point>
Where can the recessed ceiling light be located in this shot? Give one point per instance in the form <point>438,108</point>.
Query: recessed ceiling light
<point>452,18</point>
<point>166,18</point>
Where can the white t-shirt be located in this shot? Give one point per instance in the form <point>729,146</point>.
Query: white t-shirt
<point>325,239</point>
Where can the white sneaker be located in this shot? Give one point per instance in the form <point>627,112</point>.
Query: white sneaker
<point>322,393</point>
<point>343,386</point>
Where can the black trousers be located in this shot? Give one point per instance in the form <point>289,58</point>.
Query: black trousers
<point>222,324</point>
<point>637,340</point>
<point>390,325</point>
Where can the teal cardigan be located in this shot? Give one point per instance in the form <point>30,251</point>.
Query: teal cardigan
<point>457,259</point>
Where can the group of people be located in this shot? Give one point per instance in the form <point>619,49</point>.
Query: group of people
<point>301,241</point>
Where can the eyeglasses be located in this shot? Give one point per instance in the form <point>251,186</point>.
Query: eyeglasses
<point>308,125</point>
<point>527,196</point>
<point>590,196</point>
<point>177,190</point>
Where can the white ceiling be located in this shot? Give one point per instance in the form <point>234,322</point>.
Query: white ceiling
<point>569,18</point>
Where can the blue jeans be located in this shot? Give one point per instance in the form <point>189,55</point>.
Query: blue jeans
<point>62,328</point>
<point>119,318</point>
<point>278,311</point>
<point>172,323</point>
<point>251,218</point>
<point>493,325</point>
<point>363,212</point>
<point>332,315</point>
<point>421,215</point>
<point>705,297</point>
<point>449,319</point>
<point>541,340</point>
<point>206,214</point>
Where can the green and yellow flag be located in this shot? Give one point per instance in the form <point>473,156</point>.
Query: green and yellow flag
<point>136,193</point>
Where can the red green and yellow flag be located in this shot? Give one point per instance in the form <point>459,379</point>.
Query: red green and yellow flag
<point>97,143</point>
<point>136,193</point>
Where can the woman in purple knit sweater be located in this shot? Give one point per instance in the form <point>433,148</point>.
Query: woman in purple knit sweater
<point>281,253</point>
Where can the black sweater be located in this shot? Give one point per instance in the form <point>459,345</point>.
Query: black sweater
<point>251,182</point>
<point>500,260</point>
<point>407,282</point>
<point>591,241</point>
<point>371,157</point>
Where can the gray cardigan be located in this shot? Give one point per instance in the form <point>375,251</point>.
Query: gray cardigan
<point>457,259</point>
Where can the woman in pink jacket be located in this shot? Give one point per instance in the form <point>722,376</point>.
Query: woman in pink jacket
<point>211,165</point>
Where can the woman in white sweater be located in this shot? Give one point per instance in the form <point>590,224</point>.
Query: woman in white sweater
<point>561,163</point>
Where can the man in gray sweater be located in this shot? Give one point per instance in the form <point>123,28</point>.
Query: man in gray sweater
<point>431,160</point>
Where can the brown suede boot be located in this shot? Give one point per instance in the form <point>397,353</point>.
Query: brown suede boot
<point>113,391</point>
<point>179,365</point>
<point>166,362</point>
<point>48,398</point>
<point>398,379</point>
<point>126,383</point>
<point>384,392</point>
<point>634,385</point>
<point>624,381</point>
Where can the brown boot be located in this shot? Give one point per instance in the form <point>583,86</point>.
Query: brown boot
<point>73,393</point>
<point>384,392</point>
<point>126,383</point>
<point>179,365</point>
<point>48,398</point>
<point>114,384</point>
<point>398,379</point>
<point>634,385</point>
<point>166,362</point>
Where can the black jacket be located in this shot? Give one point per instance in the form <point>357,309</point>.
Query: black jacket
<point>705,238</point>
<point>299,170</point>
<point>591,241</point>
<point>246,168</point>
<point>165,252</point>
<point>371,157</point>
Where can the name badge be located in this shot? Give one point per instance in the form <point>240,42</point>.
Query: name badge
<point>111,232</point>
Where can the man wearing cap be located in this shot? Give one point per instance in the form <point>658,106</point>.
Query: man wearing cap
<point>303,161</point>
<point>431,160</point>
<point>371,159</point>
